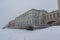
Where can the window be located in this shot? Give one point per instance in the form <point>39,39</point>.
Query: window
<point>53,15</point>
<point>47,16</point>
<point>50,16</point>
<point>57,14</point>
<point>44,17</point>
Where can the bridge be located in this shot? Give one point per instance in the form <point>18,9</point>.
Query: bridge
<point>52,17</point>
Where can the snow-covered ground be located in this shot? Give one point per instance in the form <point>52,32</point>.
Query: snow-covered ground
<point>51,33</point>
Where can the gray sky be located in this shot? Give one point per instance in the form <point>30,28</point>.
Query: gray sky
<point>9,9</point>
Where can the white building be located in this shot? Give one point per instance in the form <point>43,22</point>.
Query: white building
<point>31,17</point>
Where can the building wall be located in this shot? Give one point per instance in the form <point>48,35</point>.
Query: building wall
<point>59,5</point>
<point>31,17</point>
<point>52,16</point>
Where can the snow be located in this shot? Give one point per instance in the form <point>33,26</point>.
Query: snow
<point>51,33</point>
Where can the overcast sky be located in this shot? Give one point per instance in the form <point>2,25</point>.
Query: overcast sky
<point>9,9</point>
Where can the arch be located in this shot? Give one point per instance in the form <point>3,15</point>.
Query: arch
<point>51,22</point>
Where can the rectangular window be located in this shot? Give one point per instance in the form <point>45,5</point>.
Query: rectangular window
<point>53,15</point>
<point>50,16</point>
<point>47,16</point>
<point>44,17</point>
<point>58,14</point>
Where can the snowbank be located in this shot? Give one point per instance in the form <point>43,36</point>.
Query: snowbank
<point>51,33</point>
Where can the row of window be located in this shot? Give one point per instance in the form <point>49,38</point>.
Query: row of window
<point>52,16</point>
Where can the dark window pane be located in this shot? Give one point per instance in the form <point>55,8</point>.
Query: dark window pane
<point>57,14</point>
<point>50,16</point>
<point>47,16</point>
<point>53,15</point>
<point>44,17</point>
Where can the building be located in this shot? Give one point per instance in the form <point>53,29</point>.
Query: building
<point>36,17</point>
<point>11,24</point>
<point>52,18</point>
<point>31,17</point>
<point>59,4</point>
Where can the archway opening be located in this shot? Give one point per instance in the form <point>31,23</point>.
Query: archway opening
<point>51,22</point>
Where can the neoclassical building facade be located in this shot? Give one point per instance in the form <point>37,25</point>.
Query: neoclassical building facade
<point>52,17</point>
<point>36,17</point>
<point>31,17</point>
